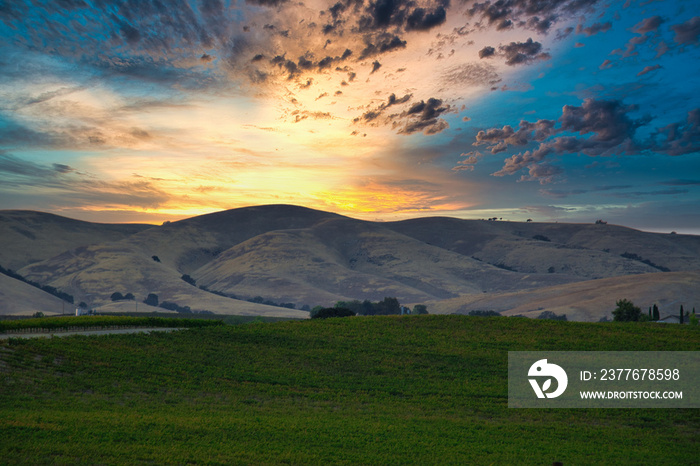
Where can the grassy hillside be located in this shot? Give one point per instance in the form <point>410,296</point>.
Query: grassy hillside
<point>290,254</point>
<point>378,390</point>
<point>588,301</point>
<point>27,237</point>
<point>20,298</point>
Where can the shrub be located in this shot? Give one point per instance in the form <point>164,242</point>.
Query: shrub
<point>485,313</point>
<point>420,309</point>
<point>551,316</point>
<point>328,312</point>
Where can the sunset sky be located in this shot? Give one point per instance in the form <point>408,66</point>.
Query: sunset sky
<point>154,110</point>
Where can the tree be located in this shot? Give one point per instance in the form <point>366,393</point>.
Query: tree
<point>549,315</point>
<point>151,300</point>
<point>478,313</point>
<point>655,313</point>
<point>626,311</point>
<point>389,306</point>
<point>189,280</point>
<point>129,296</point>
<point>116,296</point>
<point>328,312</point>
<point>155,258</point>
<point>420,309</point>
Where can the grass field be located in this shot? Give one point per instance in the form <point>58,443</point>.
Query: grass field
<point>370,390</point>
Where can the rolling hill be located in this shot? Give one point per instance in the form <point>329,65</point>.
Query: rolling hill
<point>291,255</point>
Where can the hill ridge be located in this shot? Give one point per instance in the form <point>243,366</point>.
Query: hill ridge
<point>293,254</point>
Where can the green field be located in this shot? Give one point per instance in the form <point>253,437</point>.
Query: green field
<point>364,390</point>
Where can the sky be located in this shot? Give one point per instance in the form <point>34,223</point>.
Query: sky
<point>550,110</point>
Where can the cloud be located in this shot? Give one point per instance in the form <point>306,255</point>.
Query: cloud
<point>594,29</point>
<point>382,14</point>
<point>687,33</point>
<point>595,128</point>
<point>679,138</point>
<point>471,74</point>
<point>681,182</point>
<point>544,173</point>
<point>375,66</point>
<point>468,163</point>
<point>373,114</point>
<point>539,15</point>
<point>423,116</point>
<point>380,44</point>
<point>73,187</point>
<point>648,69</point>
<point>422,20</point>
<point>561,194</point>
<point>487,52</point>
<point>517,53</point>
<point>521,53</point>
<point>648,25</point>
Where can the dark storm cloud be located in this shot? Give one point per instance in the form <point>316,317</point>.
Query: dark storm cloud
<point>687,33</point>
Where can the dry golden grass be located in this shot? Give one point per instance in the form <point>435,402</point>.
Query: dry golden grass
<point>291,254</point>
<point>18,298</point>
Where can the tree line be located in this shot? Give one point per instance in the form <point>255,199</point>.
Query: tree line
<point>626,311</point>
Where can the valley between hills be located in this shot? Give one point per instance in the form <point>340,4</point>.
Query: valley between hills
<point>242,261</point>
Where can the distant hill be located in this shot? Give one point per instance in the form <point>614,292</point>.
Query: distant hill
<point>294,256</point>
<point>18,298</point>
<point>28,237</point>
